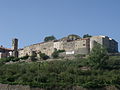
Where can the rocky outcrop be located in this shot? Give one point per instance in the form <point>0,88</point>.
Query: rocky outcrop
<point>21,87</point>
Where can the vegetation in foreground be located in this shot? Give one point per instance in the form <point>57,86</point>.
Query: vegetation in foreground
<point>101,70</point>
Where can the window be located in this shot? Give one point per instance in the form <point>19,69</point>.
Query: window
<point>44,48</point>
<point>83,44</point>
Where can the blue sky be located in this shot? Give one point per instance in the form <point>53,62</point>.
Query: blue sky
<point>31,20</point>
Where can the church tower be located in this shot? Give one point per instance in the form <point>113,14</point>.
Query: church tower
<point>15,47</point>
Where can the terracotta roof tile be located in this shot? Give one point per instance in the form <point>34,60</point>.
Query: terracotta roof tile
<point>9,49</point>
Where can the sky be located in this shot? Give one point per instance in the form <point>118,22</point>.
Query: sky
<point>32,20</point>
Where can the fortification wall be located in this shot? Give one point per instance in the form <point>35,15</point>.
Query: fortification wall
<point>82,51</point>
<point>46,48</point>
<point>113,45</point>
<point>58,45</point>
<point>69,46</point>
<point>79,46</point>
<point>94,39</point>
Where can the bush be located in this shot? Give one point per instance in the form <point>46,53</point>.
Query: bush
<point>113,63</point>
<point>24,57</point>
<point>8,59</point>
<point>87,36</point>
<point>56,52</point>
<point>33,58</point>
<point>49,38</point>
<point>15,59</point>
<point>78,56</point>
<point>43,56</point>
<point>59,73</point>
<point>98,57</point>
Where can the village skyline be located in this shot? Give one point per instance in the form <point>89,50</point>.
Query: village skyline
<point>31,21</point>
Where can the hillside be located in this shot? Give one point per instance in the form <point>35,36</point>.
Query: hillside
<point>61,73</point>
<point>96,71</point>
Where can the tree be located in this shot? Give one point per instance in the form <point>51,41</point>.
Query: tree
<point>98,57</point>
<point>25,57</point>
<point>43,56</point>
<point>49,38</point>
<point>56,52</point>
<point>33,58</point>
<point>86,36</point>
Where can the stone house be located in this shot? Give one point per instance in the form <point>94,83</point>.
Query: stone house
<point>5,52</point>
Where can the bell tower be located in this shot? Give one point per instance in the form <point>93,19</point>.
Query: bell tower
<point>15,47</point>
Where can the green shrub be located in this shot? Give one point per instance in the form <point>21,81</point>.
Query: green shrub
<point>49,38</point>
<point>56,52</point>
<point>43,56</point>
<point>59,73</point>
<point>98,57</point>
<point>24,57</point>
<point>8,59</point>
<point>33,58</point>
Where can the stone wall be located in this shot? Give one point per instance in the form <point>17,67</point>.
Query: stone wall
<point>21,87</point>
<point>113,45</point>
<point>98,39</point>
<point>4,52</point>
<point>68,46</point>
<point>46,47</point>
<point>80,46</point>
<point>58,45</point>
<point>82,51</point>
<point>109,43</point>
<point>80,43</point>
<point>13,87</point>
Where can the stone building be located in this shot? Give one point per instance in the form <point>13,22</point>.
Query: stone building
<point>113,46</point>
<point>44,47</point>
<point>72,44</point>
<point>110,44</point>
<point>6,52</point>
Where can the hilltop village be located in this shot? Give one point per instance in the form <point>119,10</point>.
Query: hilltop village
<point>81,64</point>
<point>72,44</point>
